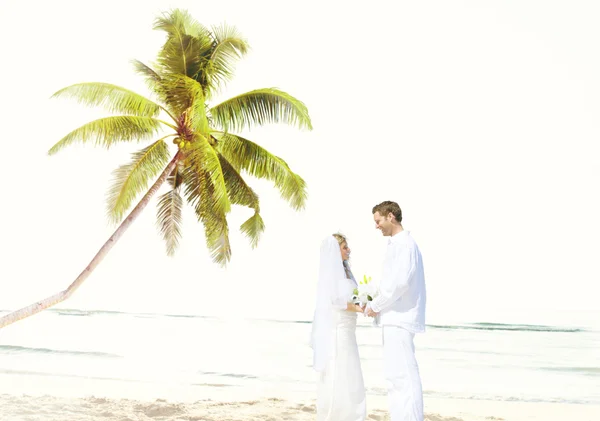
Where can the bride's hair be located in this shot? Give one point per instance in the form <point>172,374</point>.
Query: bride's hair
<point>341,238</point>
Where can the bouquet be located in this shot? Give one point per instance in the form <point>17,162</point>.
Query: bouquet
<point>364,292</point>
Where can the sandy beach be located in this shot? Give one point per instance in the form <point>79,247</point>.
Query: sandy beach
<point>51,408</point>
<point>91,374</point>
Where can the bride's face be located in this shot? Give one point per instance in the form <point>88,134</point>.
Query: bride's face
<point>345,250</point>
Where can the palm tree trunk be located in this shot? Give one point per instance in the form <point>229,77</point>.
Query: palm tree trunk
<point>63,295</point>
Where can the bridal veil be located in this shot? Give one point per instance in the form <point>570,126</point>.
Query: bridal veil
<point>333,293</point>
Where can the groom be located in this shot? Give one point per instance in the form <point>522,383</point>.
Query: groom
<point>400,306</point>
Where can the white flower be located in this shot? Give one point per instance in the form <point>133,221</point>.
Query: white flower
<point>365,291</point>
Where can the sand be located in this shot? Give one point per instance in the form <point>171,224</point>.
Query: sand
<point>56,408</point>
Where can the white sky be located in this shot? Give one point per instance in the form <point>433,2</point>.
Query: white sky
<point>478,117</point>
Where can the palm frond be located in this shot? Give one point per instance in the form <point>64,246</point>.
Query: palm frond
<point>229,46</point>
<point>260,107</point>
<point>110,130</point>
<point>180,21</point>
<point>186,42</point>
<point>147,72</point>
<point>217,237</point>
<point>241,194</point>
<point>258,162</point>
<point>199,192</point>
<point>133,178</point>
<point>169,218</point>
<point>184,96</point>
<point>113,98</point>
<point>180,55</point>
<point>203,158</point>
<point>197,110</point>
<point>253,228</point>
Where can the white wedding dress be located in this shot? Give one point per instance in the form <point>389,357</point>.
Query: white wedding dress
<point>340,385</point>
<point>341,390</point>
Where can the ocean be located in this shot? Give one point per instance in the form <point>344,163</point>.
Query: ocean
<point>186,357</point>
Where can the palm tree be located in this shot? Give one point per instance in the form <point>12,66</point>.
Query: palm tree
<point>209,159</point>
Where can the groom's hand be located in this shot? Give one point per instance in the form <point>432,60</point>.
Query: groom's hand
<point>358,308</point>
<point>369,312</point>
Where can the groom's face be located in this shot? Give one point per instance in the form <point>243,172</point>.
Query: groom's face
<point>383,223</point>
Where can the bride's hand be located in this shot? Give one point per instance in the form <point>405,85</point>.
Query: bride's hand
<point>355,307</point>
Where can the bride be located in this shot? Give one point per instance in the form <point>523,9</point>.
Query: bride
<point>340,391</point>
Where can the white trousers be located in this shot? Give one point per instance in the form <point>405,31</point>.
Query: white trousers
<point>405,392</point>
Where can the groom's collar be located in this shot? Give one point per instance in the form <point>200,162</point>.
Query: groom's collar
<point>397,237</point>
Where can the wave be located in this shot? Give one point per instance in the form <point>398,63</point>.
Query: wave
<point>90,313</point>
<point>379,391</point>
<point>72,376</point>
<point>509,327</point>
<point>14,349</point>
<point>490,397</point>
<point>462,326</point>
<point>589,371</point>
<point>233,375</point>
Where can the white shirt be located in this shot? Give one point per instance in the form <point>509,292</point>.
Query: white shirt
<point>402,296</point>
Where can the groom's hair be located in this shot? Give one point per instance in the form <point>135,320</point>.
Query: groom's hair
<point>384,208</point>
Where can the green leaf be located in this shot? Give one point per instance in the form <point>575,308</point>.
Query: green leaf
<point>258,162</point>
<point>185,98</point>
<point>152,78</point>
<point>259,107</point>
<point>186,42</point>
<point>199,192</point>
<point>197,117</point>
<point>253,228</point>
<point>179,21</point>
<point>206,191</point>
<point>113,98</point>
<point>217,239</point>
<point>110,130</point>
<point>204,159</point>
<point>241,194</point>
<point>132,179</point>
<point>170,207</point>
<point>229,47</point>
